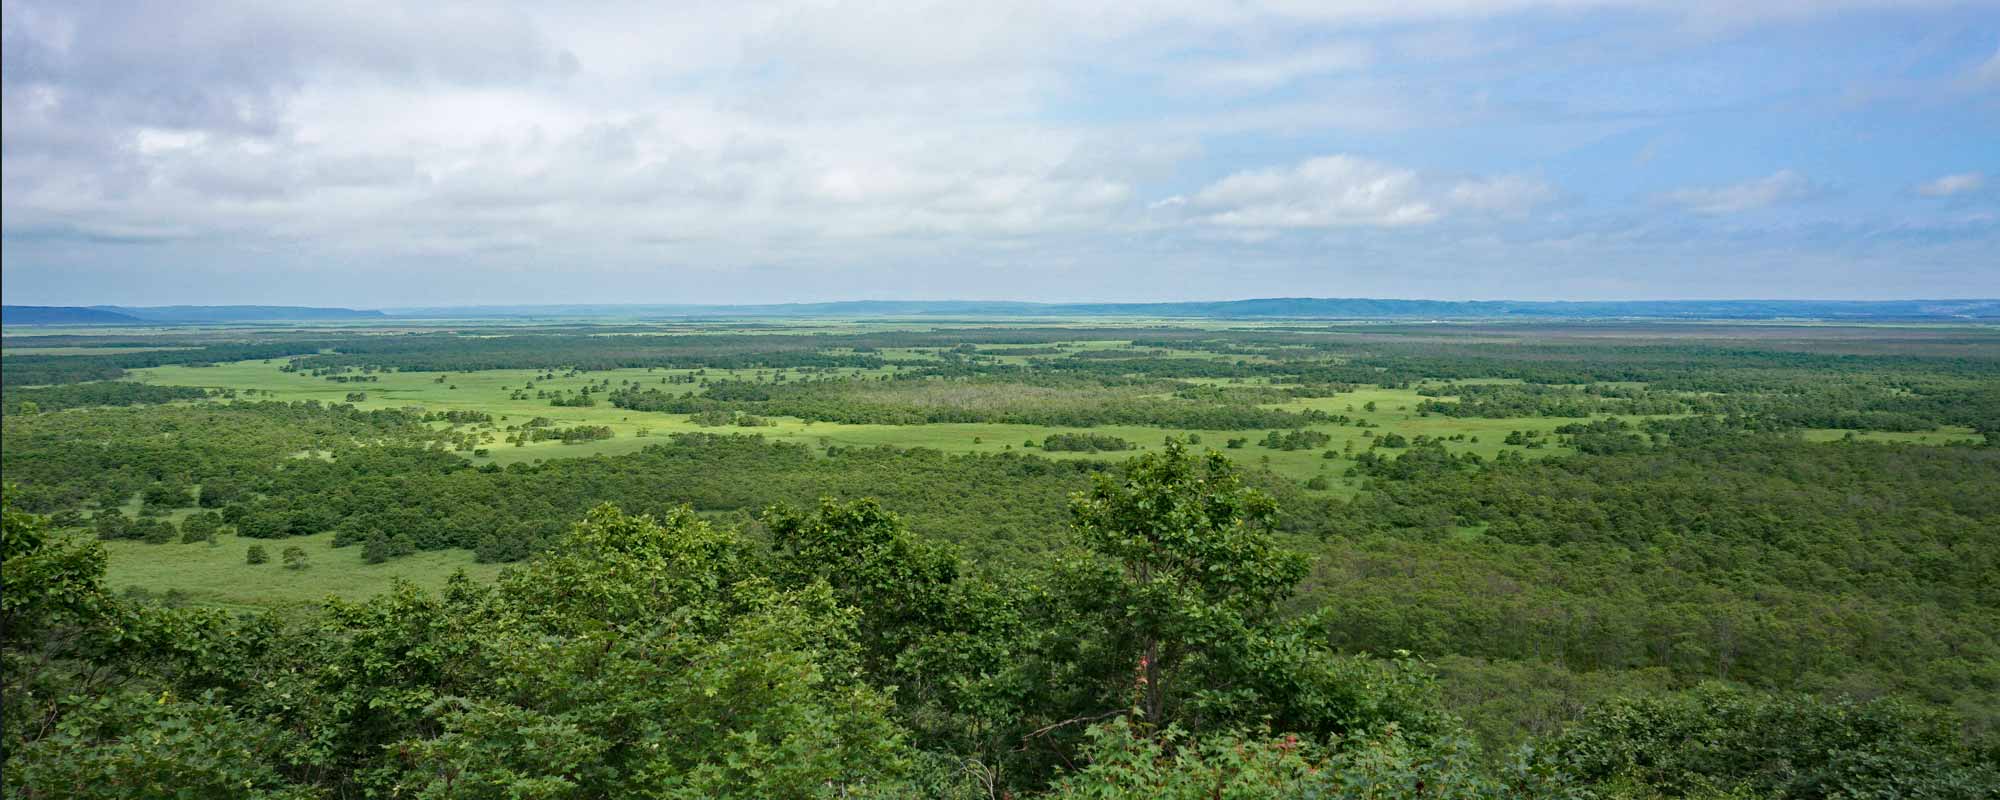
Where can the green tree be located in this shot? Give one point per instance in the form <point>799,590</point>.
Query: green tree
<point>110,523</point>
<point>1180,552</point>
<point>642,660</point>
<point>255,555</point>
<point>1719,741</point>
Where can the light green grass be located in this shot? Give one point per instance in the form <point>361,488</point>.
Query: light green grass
<point>488,391</point>
<point>1944,435</point>
<point>217,575</point>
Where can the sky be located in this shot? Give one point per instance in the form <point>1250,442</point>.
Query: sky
<point>417,154</point>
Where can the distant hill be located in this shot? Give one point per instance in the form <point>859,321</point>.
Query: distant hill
<point>1262,308</point>
<point>1284,308</point>
<point>63,315</point>
<point>239,313</point>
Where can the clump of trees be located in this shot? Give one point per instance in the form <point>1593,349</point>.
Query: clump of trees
<point>724,418</point>
<point>1296,440</point>
<point>1085,442</point>
<point>574,434</point>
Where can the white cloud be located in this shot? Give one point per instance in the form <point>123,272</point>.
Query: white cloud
<point>1269,72</point>
<point>734,134</point>
<point>1330,191</point>
<point>1779,187</point>
<point>1346,191</point>
<point>1949,185</point>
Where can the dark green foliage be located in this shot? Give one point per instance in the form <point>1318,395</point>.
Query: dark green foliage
<point>61,460</point>
<point>1502,401</point>
<point>717,419</point>
<point>40,370</point>
<point>152,531</point>
<point>1715,741</point>
<point>1295,440</point>
<point>437,500</point>
<point>381,547</point>
<point>572,435</point>
<point>1178,646</point>
<point>201,527</point>
<point>1084,442</point>
<point>1733,555</point>
<point>166,495</point>
<point>1122,763</point>
<point>1021,399</point>
<point>256,555</point>
<point>98,393</point>
<point>1177,589</point>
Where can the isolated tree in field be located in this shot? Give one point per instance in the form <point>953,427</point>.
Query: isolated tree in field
<point>256,555</point>
<point>295,557</point>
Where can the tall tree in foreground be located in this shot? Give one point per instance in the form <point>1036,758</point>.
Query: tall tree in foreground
<point>1169,610</point>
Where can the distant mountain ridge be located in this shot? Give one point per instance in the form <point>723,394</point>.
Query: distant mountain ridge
<point>156,315</point>
<point>1260,308</point>
<point>239,313</point>
<point>63,315</point>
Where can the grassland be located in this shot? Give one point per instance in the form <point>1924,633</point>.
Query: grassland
<point>490,392</point>
<point>217,575</point>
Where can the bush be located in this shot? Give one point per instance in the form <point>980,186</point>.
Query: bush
<point>255,555</point>
<point>156,531</point>
<point>295,557</point>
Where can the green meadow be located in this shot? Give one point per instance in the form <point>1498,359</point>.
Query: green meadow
<point>217,574</point>
<point>489,391</point>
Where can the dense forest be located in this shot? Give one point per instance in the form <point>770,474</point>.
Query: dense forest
<point>1697,569</point>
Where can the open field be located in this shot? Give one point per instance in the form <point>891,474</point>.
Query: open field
<point>489,392</point>
<point>215,574</point>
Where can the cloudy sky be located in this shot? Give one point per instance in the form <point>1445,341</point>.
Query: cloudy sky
<point>435,153</point>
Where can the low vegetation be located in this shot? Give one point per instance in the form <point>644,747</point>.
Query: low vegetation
<point>1019,561</point>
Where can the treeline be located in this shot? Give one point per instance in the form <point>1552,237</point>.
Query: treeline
<point>1084,442</point>
<point>1505,401</point>
<point>41,370</point>
<point>574,434</point>
<point>838,654</point>
<point>1861,403</point>
<point>503,348</point>
<point>96,393</point>
<point>923,399</point>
